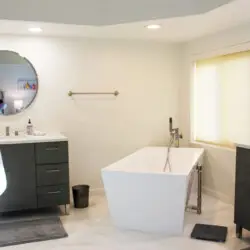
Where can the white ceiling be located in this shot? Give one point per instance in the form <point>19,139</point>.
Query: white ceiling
<point>177,29</point>
<point>102,12</point>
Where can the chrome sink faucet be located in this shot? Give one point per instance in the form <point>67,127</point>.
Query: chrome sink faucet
<point>7,131</point>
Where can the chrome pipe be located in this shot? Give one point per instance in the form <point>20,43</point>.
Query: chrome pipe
<point>198,206</point>
<point>199,196</point>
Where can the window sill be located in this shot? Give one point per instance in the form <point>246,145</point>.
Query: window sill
<point>208,145</point>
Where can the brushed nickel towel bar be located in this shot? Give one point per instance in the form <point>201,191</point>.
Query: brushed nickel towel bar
<point>71,93</point>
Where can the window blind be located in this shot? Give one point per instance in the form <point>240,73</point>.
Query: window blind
<point>221,107</point>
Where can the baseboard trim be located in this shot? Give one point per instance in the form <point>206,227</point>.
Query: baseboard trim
<point>97,191</point>
<point>92,192</point>
<point>225,198</point>
<point>218,195</point>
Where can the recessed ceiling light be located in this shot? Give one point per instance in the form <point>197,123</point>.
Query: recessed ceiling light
<point>153,26</point>
<point>35,30</point>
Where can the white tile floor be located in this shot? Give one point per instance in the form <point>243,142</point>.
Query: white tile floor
<point>92,229</point>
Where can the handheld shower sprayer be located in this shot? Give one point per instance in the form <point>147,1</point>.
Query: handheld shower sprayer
<point>175,137</point>
<point>174,132</point>
<point>170,124</point>
<point>171,141</point>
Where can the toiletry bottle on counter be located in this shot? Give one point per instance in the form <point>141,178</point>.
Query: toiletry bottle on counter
<point>29,129</point>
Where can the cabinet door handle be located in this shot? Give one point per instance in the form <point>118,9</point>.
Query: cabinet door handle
<point>52,149</point>
<point>55,192</point>
<point>53,171</point>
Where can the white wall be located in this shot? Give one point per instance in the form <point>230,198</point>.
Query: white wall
<point>219,170</point>
<point>100,129</point>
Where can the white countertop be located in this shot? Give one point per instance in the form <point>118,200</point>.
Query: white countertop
<point>32,139</point>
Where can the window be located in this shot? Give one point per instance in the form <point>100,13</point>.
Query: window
<point>221,107</point>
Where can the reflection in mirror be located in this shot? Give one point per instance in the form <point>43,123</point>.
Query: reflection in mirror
<point>18,83</point>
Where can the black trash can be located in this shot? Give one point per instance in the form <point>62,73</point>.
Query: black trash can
<point>81,196</point>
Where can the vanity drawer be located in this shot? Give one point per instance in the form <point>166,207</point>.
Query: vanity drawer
<point>52,196</point>
<point>51,152</point>
<point>56,174</point>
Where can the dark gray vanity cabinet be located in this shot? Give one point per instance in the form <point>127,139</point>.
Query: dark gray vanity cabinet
<point>37,175</point>
<point>242,191</point>
<point>20,169</point>
<point>51,152</point>
<point>52,173</point>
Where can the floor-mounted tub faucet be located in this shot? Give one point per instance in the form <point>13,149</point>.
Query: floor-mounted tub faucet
<point>175,133</point>
<point>175,137</point>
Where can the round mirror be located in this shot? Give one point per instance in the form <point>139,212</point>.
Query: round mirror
<point>18,83</point>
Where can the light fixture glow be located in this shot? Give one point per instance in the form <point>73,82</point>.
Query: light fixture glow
<point>153,26</point>
<point>35,30</point>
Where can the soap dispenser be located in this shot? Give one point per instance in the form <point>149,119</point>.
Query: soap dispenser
<point>29,128</point>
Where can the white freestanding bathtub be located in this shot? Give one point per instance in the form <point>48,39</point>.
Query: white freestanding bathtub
<point>143,197</point>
